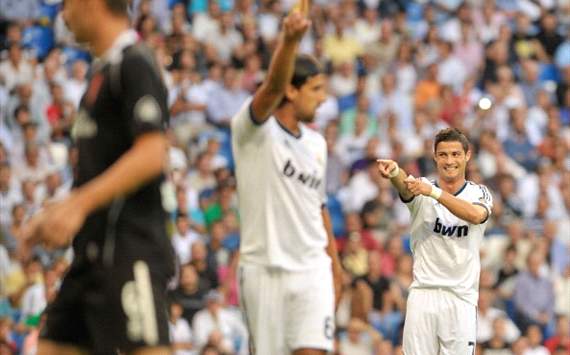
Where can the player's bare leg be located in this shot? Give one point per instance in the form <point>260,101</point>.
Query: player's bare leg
<point>309,352</point>
<point>46,347</point>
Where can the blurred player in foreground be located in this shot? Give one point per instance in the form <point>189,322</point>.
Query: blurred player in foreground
<point>449,217</point>
<point>289,268</point>
<point>113,297</point>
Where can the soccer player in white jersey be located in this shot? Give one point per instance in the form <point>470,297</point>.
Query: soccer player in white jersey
<point>289,270</point>
<point>449,217</point>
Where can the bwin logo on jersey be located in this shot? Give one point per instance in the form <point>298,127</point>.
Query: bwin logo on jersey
<point>309,180</point>
<point>459,231</point>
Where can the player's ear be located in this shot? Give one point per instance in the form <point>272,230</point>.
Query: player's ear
<point>291,92</point>
<point>468,155</point>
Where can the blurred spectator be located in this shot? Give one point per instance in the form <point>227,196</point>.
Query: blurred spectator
<point>390,100</point>
<point>190,292</point>
<point>204,266</point>
<point>518,145</point>
<point>360,339</point>
<point>520,346</point>
<point>180,331</point>
<point>227,99</point>
<point>374,279</point>
<point>201,177</point>
<point>76,85</point>
<point>533,295</point>
<point>428,87</point>
<point>561,339</point>
<point>497,344</point>
<point>216,317</point>
<point>561,289</point>
<point>450,70</point>
<point>384,50</point>
<point>548,37</point>
<point>16,70</point>
<point>487,316</point>
<point>534,335</point>
<point>226,39</point>
<point>183,239</point>
<point>340,47</point>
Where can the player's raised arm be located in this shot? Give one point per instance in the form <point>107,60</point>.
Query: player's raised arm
<point>389,169</point>
<point>271,92</point>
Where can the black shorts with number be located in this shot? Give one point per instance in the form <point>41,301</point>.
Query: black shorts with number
<point>114,294</point>
<point>105,309</point>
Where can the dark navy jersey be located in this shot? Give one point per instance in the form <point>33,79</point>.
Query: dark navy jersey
<point>125,99</point>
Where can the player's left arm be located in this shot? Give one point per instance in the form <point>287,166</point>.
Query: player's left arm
<point>473,212</point>
<point>144,101</point>
<point>467,211</point>
<point>333,254</point>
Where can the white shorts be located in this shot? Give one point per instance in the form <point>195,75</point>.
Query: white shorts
<point>438,322</point>
<point>286,310</point>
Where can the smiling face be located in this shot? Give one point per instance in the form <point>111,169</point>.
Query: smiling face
<point>451,160</point>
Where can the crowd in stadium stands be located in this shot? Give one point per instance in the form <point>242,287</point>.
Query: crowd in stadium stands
<point>399,71</point>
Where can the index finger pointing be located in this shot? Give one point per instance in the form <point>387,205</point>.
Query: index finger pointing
<point>305,4</point>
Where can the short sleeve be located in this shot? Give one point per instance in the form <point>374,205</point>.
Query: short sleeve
<point>244,124</point>
<point>483,198</point>
<point>143,93</point>
<point>323,186</point>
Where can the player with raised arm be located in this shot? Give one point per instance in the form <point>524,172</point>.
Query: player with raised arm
<point>289,268</point>
<point>449,217</point>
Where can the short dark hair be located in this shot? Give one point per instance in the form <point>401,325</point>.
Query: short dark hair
<point>118,7</point>
<point>306,67</point>
<point>451,135</point>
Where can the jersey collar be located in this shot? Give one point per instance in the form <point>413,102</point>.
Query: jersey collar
<point>458,191</point>
<point>297,136</point>
<point>114,53</point>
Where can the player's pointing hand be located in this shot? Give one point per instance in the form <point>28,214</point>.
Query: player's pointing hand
<point>297,22</point>
<point>417,186</point>
<point>387,168</point>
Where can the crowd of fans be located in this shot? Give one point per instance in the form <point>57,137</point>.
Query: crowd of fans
<point>398,72</point>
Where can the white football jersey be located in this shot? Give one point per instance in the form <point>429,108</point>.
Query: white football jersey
<point>445,247</point>
<point>281,191</point>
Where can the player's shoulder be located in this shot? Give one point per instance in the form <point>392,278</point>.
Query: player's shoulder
<point>246,113</point>
<point>478,189</point>
<point>139,56</point>
<point>428,180</point>
<point>474,185</point>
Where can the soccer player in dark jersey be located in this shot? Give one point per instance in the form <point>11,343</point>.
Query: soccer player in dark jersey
<point>113,297</point>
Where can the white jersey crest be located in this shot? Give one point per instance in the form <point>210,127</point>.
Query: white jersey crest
<point>445,247</point>
<point>281,190</point>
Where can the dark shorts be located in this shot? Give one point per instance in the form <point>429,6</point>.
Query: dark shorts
<point>103,309</point>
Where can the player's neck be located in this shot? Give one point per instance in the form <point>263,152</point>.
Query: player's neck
<point>451,186</point>
<point>286,117</point>
<point>106,34</point>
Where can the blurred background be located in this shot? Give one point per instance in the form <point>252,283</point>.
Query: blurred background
<point>399,70</point>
